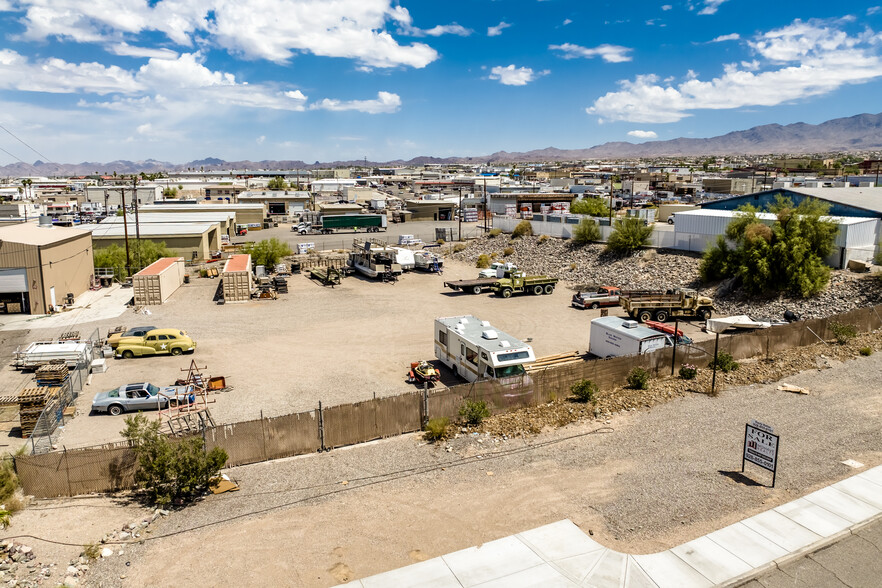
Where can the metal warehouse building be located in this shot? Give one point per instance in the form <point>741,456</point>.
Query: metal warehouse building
<point>226,220</point>
<point>865,202</point>
<point>192,241</point>
<point>41,265</point>
<point>249,215</point>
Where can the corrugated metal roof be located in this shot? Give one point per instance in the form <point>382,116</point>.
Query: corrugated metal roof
<point>768,216</point>
<point>238,263</point>
<point>32,234</point>
<point>149,230</point>
<point>174,217</point>
<point>159,266</point>
<point>866,198</point>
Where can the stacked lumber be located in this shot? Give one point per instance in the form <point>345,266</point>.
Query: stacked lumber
<point>567,358</point>
<point>51,374</point>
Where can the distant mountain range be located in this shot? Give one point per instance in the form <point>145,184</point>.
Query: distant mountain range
<point>862,132</point>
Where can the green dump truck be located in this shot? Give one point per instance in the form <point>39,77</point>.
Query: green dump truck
<point>519,282</point>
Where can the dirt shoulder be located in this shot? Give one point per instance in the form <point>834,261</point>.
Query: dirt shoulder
<point>640,481</point>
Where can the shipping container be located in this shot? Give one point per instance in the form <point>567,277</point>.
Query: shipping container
<point>237,279</point>
<point>158,281</point>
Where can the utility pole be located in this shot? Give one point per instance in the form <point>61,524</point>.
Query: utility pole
<point>137,225</point>
<point>122,195</point>
<point>485,204</point>
<point>459,212</point>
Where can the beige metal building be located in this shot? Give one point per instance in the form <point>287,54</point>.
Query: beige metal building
<point>40,266</point>
<point>237,278</point>
<point>226,220</point>
<point>250,215</point>
<point>192,241</point>
<point>158,281</point>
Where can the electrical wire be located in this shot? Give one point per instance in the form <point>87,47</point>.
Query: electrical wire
<point>26,145</point>
<point>369,481</point>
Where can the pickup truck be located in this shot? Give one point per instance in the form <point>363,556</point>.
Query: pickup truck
<point>155,342</point>
<point>660,306</point>
<point>604,296</point>
<point>519,282</point>
<point>497,269</point>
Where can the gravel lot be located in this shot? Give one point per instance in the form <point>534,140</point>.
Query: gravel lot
<point>641,481</point>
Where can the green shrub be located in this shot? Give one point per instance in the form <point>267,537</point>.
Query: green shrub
<point>724,363</point>
<point>523,229</point>
<point>628,235</point>
<point>586,231</point>
<point>590,206</point>
<point>483,261</point>
<point>688,371</point>
<point>171,471</point>
<point>866,351</point>
<point>494,233</point>
<point>638,378</point>
<point>203,272</point>
<point>91,551</point>
<point>543,239</point>
<point>267,252</point>
<point>439,242</point>
<point>584,390</point>
<point>436,429</point>
<point>459,247</point>
<point>141,254</point>
<point>474,411</point>
<point>8,479</point>
<point>843,333</point>
<point>508,251</point>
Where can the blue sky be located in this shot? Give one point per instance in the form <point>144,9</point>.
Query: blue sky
<point>325,80</point>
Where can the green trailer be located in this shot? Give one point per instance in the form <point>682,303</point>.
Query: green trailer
<point>372,223</point>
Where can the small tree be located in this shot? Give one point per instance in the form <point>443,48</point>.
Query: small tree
<point>638,378</point>
<point>267,252</point>
<point>277,183</point>
<point>586,231</point>
<point>474,411</point>
<point>590,206</point>
<point>170,192</point>
<point>523,229</point>
<point>142,253</point>
<point>629,235</point>
<point>171,471</point>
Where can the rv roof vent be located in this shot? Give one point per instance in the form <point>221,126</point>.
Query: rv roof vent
<point>504,344</point>
<point>464,321</point>
<point>489,334</point>
<point>629,324</point>
<point>485,323</point>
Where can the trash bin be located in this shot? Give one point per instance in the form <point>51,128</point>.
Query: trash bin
<point>186,278</point>
<point>295,267</point>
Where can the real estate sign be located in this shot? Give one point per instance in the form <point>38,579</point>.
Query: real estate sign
<point>761,447</point>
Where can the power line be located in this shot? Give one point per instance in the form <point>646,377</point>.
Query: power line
<point>26,145</point>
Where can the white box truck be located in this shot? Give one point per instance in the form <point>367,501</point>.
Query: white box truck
<point>475,350</point>
<point>612,336</point>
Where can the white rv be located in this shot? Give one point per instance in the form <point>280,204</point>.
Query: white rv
<point>613,336</point>
<point>474,349</point>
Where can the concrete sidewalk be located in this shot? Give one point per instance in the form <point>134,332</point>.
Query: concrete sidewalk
<point>560,554</point>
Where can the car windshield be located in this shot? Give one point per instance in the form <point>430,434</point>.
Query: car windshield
<point>152,390</point>
<point>113,393</point>
<point>511,370</point>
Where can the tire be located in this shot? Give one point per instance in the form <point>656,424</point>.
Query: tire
<point>176,351</point>
<point>549,288</point>
<point>670,220</point>
<point>594,306</point>
<point>476,289</point>
<point>704,313</point>
<point>128,354</point>
<point>115,410</point>
<point>661,316</point>
<point>506,293</point>
<point>537,290</point>
<point>643,316</point>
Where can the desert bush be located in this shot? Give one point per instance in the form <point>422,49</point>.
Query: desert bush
<point>436,429</point>
<point>8,479</point>
<point>523,229</point>
<point>494,233</point>
<point>586,231</point>
<point>91,551</point>
<point>141,253</point>
<point>543,239</point>
<point>474,411</point>
<point>573,266</point>
<point>688,371</point>
<point>483,261</point>
<point>638,378</point>
<point>171,471</point>
<point>459,247</point>
<point>629,235</point>
<point>866,351</point>
<point>584,390</point>
<point>724,362</point>
<point>843,333</point>
<point>590,206</point>
<point>440,242</point>
<point>267,252</point>
<point>508,251</point>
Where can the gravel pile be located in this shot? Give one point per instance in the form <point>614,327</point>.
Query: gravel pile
<point>587,266</point>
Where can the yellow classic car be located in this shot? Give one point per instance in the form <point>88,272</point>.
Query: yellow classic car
<point>156,342</point>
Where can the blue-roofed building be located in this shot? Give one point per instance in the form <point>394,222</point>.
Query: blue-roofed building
<point>862,202</point>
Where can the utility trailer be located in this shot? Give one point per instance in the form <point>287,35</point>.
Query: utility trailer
<point>39,353</point>
<point>645,305</point>
<point>475,286</point>
<point>326,224</point>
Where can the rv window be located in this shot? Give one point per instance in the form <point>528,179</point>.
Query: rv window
<point>442,338</point>
<point>484,356</point>
<point>461,349</point>
<point>512,370</point>
<point>512,356</point>
<point>472,356</point>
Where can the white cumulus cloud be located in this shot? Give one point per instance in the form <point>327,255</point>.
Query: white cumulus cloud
<point>515,76</point>
<point>711,6</point>
<point>127,50</point>
<point>800,60</point>
<point>729,37</point>
<point>609,53</point>
<point>643,134</point>
<point>385,103</point>
<point>497,30</point>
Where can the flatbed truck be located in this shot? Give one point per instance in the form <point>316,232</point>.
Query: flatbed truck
<point>475,286</point>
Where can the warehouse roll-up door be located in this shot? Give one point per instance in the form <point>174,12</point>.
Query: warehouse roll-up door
<point>13,280</point>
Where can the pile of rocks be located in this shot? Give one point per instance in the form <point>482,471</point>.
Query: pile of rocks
<point>18,566</point>
<point>584,267</point>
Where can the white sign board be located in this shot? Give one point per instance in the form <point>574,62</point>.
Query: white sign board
<point>761,446</point>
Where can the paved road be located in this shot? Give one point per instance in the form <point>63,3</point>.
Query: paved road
<point>853,562</point>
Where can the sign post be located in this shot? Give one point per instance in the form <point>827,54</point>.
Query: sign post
<point>761,447</point>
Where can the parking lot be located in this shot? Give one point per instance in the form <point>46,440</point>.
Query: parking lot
<point>334,345</point>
